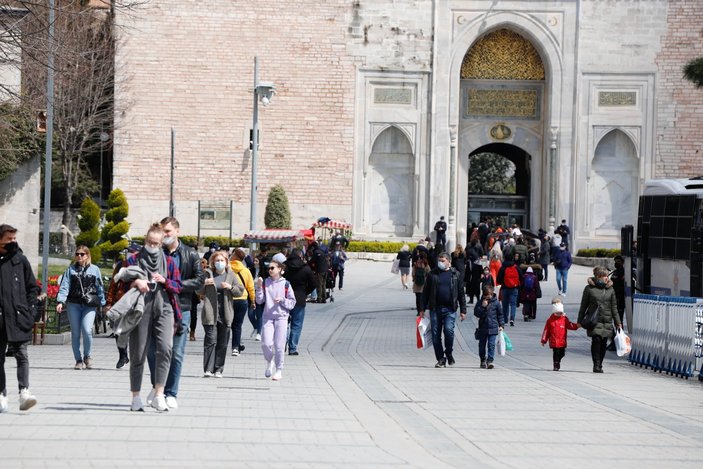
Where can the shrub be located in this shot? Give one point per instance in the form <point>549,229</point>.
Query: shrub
<point>89,218</point>
<point>223,241</point>
<point>189,240</point>
<point>598,252</point>
<point>277,213</point>
<point>114,231</point>
<point>377,246</point>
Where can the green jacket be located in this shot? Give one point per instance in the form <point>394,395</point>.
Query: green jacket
<point>603,297</point>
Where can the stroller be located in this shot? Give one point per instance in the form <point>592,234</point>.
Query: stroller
<point>330,283</point>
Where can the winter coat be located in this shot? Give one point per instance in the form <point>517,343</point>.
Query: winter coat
<point>404,258</point>
<point>319,260</point>
<point>192,276</point>
<point>544,256</point>
<point>245,278</point>
<point>301,278</point>
<point>522,251</point>
<point>501,273</point>
<point>210,306</point>
<point>555,330</point>
<point>78,280</point>
<point>459,263</point>
<point>269,292</point>
<point>533,293</point>
<point>490,317</point>
<point>18,296</point>
<point>562,260</point>
<point>429,293</point>
<point>602,297</point>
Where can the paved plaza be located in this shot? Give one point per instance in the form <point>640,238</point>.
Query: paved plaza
<point>361,395</point>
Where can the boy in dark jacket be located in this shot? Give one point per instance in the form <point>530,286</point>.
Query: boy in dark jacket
<point>302,281</point>
<point>555,332</point>
<point>490,322</point>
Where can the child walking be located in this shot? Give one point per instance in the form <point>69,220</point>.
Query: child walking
<point>555,332</point>
<point>277,296</point>
<point>529,293</point>
<point>490,322</point>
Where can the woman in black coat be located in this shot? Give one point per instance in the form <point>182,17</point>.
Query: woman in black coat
<point>474,255</point>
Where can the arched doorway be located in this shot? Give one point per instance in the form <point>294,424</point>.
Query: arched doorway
<point>499,185</point>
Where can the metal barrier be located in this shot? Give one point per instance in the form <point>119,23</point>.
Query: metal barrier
<point>667,334</point>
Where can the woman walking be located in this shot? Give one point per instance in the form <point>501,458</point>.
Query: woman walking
<point>81,293</point>
<point>459,264</point>
<point>495,258</point>
<point>404,257</point>
<point>220,288</point>
<point>599,296</point>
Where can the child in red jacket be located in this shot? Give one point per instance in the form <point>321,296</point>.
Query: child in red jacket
<point>555,332</point>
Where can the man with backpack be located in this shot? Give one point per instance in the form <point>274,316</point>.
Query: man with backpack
<point>510,279</point>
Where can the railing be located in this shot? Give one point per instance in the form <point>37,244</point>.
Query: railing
<point>667,334</point>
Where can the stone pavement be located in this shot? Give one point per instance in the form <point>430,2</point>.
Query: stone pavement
<point>361,395</point>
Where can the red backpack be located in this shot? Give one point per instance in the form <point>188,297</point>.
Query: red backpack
<point>511,279</point>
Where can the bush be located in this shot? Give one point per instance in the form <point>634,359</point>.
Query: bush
<point>188,240</point>
<point>598,252</point>
<point>89,218</point>
<point>114,231</point>
<point>223,241</point>
<point>378,246</point>
<point>277,213</point>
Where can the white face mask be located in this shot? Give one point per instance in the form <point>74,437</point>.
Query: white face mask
<point>168,240</point>
<point>220,266</point>
<point>442,265</point>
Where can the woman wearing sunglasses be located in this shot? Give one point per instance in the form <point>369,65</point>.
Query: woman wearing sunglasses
<point>81,293</point>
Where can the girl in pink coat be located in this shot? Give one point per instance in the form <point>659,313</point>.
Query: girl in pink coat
<point>278,299</point>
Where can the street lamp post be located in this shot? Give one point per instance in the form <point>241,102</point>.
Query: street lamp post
<point>263,91</point>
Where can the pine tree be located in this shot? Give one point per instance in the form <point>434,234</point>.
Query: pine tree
<point>88,221</point>
<point>114,231</point>
<point>693,72</point>
<point>277,213</point>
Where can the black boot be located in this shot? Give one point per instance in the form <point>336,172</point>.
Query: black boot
<point>556,366</point>
<point>597,368</point>
<point>123,360</point>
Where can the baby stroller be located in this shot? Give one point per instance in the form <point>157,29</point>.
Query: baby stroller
<point>330,283</point>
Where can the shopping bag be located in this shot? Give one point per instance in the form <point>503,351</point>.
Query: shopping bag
<point>395,268</point>
<point>622,343</point>
<point>424,332</point>
<point>508,342</point>
<point>500,344</point>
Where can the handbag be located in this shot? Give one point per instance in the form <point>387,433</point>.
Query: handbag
<point>88,298</point>
<point>395,268</point>
<point>590,319</point>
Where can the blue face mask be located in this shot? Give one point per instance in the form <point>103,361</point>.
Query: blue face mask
<point>442,265</point>
<point>220,266</point>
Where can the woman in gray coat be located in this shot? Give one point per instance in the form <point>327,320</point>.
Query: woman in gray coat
<point>221,286</point>
<point>599,294</point>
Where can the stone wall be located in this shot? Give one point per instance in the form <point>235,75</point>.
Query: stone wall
<point>19,206</point>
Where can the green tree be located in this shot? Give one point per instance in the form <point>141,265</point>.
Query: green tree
<point>19,140</point>
<point>88,221</point>
<point>114,231</point>
<point>693,72</point>
<point>491,173</point>
<point>277,213</point>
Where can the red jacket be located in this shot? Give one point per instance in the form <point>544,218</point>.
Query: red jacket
<point>555,330</point>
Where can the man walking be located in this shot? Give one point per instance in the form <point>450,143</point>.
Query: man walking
<point>562,264</point>
<point>192,278</point>
<point>441,229</point>
<point>18,301</point>
<point>321,265</point>
<point>302,281</point>
<point>337,258</point>
<point>563,231</point>
<point>443,295</point>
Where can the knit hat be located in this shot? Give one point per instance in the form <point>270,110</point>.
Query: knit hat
<point>280,257</point>
<point>557,307</point>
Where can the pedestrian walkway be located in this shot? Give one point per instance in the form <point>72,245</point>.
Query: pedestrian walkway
<point>361,395</point>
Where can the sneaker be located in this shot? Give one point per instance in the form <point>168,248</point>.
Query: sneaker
<point>150,397</point>
<point>450,360</point>
<point>3,403</point>
<point>489,365</point>
<point>27,401</point>
<point>78,366</point>
<point>218,374</point>
<point>235,352</point>
<point>269,369</point>
<point>253,333</point>
<point>258,337</point>
<point>122,361</point>
<point>88,362</point>
<point>208,374</point>
<point>241,348</point>
<point>171,402</point>
<point>556,367</point>
<point>512,323</point>
<point>137,405</point>
<point>294,353</point>
<point>483,364</point>
<point>277,375</point>
<point>442,363</point>
<point>159,403</point>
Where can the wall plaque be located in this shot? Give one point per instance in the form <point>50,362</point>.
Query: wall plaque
<point>520,104</point>
<point>393,96</point>
<point>617,98</point>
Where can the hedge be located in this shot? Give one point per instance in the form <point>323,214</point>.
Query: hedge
<point>598,252</point>
<point>195,242</point>
<point>378,246</point>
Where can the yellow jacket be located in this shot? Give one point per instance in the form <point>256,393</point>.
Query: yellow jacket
<point>244,274</point>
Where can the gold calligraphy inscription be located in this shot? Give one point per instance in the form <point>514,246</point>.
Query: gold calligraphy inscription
<point>617,98</point>
<point>503,103</point>
<point>502,55</point>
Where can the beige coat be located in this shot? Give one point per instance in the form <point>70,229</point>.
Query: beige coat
<point>209,292</point>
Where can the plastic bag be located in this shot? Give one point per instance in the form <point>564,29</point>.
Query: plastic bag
<point>508,342</point>
<point>423,332</point>
<point>622,343</point>
<point>395,268</point>
<point>500,344</point>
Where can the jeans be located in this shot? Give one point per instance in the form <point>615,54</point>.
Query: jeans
<point>177,354</point>
<point>256,315</point>
<point>509,303</point>
<point>241,307</point>
<point>442,319</point>
<point>339,274</point>
<point>81,318</point>
<point>19,350</point>
<point>297,316</point>
<point>545,272</point>
<point>489,339</point>
<point>562,275</point>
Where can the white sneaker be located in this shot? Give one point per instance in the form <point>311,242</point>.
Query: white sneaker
<point>235,352</point>
<point>253,333</point>
<point>218,374</point>
<point>208,374</point>
<point>159,403</point>
<point>277,375</point>
<point>137,405</point>
<point>3,403</point>
<point>171,402</point>
<point>258,337</point>
<point>27,401</point>
<point>269,369</point>
<point>150,397</point>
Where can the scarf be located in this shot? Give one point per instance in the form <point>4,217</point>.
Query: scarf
<point>152,263</point>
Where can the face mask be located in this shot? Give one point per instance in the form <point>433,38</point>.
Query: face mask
<point>168,241</point>
<point>442,265</point>
<point>562,249</point>
<point>220,266</point>
<point>152,250</point>
<point>600,283</point>
<point>11,247</point>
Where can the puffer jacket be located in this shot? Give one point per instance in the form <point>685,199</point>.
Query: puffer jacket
<point>490,318</point>
<point>555,330</point>
<point>244,275</point>
<point>595,296</point>
<point>210,306</point>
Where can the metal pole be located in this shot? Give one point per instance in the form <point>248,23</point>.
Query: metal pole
<point>254,146</point>
<point>552,179</point>
<point>48,149</point>
<point>102,132</point>
<point>172,205</point>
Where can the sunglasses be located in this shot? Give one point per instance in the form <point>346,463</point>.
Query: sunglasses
<point>272,267</point>
<point>80,254</point>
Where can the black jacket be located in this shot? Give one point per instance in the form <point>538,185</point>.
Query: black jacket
<point>429,293</point>
<point>301,279</point>
<point>192,275</point>
<point>18,296</point>
<point>319,260</point>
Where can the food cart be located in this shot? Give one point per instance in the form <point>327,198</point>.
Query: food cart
<point>325,228</point>
<point>282,239</point>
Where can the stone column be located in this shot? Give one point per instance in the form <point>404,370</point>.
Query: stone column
<point>553,134</point>
<point>451,222</point>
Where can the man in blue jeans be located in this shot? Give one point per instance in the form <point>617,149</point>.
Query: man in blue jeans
<point>302,280</point>
<point>509,278</point>
<point>562,264</point>
<point>442,295</point>
<point>192,278</point>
